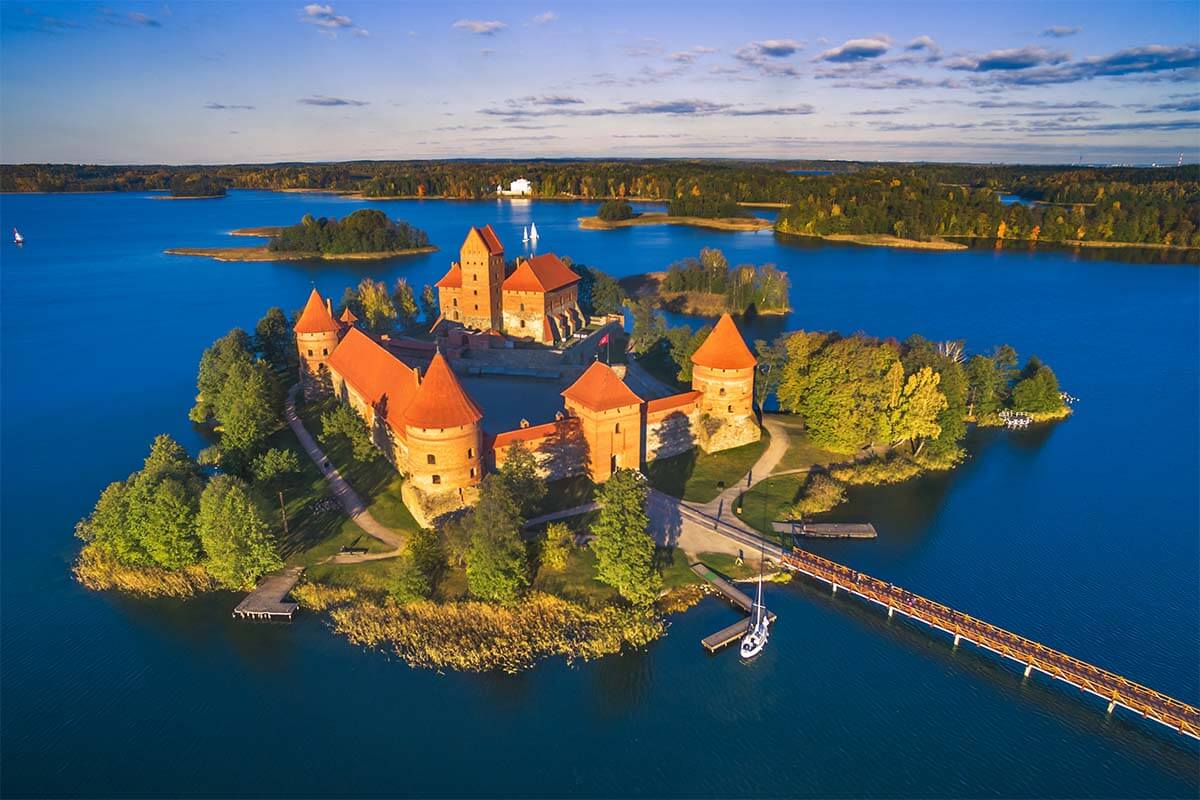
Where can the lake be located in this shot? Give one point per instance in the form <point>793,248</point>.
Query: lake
<point>1083,535</point>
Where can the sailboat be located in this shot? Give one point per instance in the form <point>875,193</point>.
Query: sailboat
<point>17,237</point>
<point>525,235</point>
<point>533,234</point>
<point>756,635</point>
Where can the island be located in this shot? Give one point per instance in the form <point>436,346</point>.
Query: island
<point>197,187</point>
<point>709,286</point>
<point>365,235</point>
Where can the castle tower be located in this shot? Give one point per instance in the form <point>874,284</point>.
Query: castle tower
<point>445,445</point>
<point>611,418</point>
<point>723,371</point>
<point>316,336</point>
<point>481,262</point>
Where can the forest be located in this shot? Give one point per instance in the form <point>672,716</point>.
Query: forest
<point>746,286</point>
<point>367,230</point>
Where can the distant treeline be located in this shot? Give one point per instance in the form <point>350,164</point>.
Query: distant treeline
<point>706,206</point>
<point>763,288</point>
<point>1143,206</point>
<point>365,231</point>
<point>197,186</point>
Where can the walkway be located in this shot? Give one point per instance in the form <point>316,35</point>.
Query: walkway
<point>267,602</point>
<point>762,469</point>
<point>349,499</point>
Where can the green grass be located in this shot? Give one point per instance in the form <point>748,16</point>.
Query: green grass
<point>802,453</point>
<point>699,476</point>
<point>727,565</point>
<point>577,581</point>
<point>675,568</point>
<point>566,493</point>
<point>769,501</point>
<point>376,576</point>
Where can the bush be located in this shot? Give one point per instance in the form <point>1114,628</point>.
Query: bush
<point>615,210</point>
<point>275,463</point>
<point>343,421</point>
<point>821,493</point>
<point>557,542</point>
<point>877,471</point>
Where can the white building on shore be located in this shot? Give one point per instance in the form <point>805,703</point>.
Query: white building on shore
<point>518,188</point>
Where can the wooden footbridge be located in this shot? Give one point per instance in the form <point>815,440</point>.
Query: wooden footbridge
<point>1113,689</point>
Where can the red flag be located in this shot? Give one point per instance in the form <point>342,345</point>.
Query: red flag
<point>603,339</point>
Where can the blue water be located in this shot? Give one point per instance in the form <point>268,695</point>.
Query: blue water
<point>1084,535</point>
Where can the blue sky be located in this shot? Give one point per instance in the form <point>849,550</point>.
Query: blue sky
<point>213,82</point>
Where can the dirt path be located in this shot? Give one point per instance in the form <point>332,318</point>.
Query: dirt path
<point>349,499</point>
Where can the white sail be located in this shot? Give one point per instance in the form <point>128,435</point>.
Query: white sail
<point>525,236</point>
<point>17,237</point>
<point>533,234</point>
<point>758,627</point>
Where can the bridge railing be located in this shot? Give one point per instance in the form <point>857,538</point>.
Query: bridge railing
<point>1115,688</point>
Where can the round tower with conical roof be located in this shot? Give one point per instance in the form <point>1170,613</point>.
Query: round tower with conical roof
<point>445,445</point>
<point>317,334</point>
<point>723,372</point>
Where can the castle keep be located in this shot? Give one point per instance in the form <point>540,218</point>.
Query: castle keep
<point>432,431</point>
<point>538,301</point>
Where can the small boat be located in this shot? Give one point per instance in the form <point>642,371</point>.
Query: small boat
<point>525,235</point>
<point>533,234</point>
<point>756,635</point>
<point>17,237</point>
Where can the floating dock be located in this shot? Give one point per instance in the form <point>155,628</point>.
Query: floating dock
<point>737,630</point>
<point>827,530</point>
<point>267,603</point>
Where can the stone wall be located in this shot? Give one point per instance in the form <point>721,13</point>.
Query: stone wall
<point>672,432</point>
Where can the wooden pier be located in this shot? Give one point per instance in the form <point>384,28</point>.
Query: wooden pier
<point>827,530</point>
<point>734,595</point>
<point>1109,687</point>
<point>267,603</point>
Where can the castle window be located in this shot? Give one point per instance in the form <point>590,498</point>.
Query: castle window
<point>722,391</point>
<point>470,452</point>
<point>310,352</point>
<point>522,306</point>
<point>430,459</point>
<point>522,323</point>
<point>477,306</point>
<point>437,479</point>
<point>456,301</point>
<point>475,292</point>
<point>731,409</point>
<point>617,428</point>
<point>472,472</point>
<point>613,463</point>
<point>324,351</point>
<point>475,277</point>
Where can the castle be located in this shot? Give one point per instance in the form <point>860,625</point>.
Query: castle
<point>538,301</point>
<point>432,431</point>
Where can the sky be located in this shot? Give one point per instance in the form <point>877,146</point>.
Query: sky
<point>980,81</point>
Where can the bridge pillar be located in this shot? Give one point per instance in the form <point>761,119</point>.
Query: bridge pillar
<point>835,588</point>
<point>1028,669</point>
<point>957,636</point>
<point>891,611</point>
<point>1112,705</point>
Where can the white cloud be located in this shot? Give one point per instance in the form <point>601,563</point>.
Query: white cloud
<point>480,27</point>
<point>328,21</point>
<point>545,17</point>
<point>858,49</point>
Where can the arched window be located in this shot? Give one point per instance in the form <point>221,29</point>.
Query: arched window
<point>522,306</point>
<point>456,301</point>
<point>722,392</point>
<point>472,472</point>
<point>522,323</point>
<point>617,428</point>
<point>310,352</point>
<point>430,459</point>
<point>471,453</point>
<point>731,409</point>
<point>324,351</point>
<point>437,478</point>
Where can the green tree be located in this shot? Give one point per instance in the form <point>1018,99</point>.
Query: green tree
<point>342,421</point>
<point>607,296</point>
<point>648,327</point>
<point>455,536</point>
<point>913,409</point>
<point>248,410</point>
<point>614,210</point>
<point>237,540</point>
<point>274,340</point>
<point>274,464</point>
<point>108,528</point>
<point>497,564</point>
<point>429,304</point>
<point>377,307</point>
<point>234,348</point>
<point>520,474</point>
<point>983,388</point>
<point>162,514</point>
<point>410,584</point>
<point>557,542</point>
<point>624,550</point>
<point>771,358</point>
<point>945,359</point>
<point>1037,391</point>
<point>681,344</point>
<point>405,302</point>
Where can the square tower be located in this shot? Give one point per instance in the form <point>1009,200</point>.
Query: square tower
<point>610,415</point>
<point>481,265</point>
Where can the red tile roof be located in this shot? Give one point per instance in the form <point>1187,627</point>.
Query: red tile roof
<point>530,434</point>
<point>543,273</point>
<point>348,317</point>
<point>441,401</point>
<point>452,279</point>
<point>315,318</point>
<point>490,240</point>
<point>674,401</point>
<point>376,375</point>
<point>724,348</point>
<point>599,389</point>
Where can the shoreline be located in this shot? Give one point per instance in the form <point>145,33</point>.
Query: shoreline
<point>750,224</point>
<point>263,254</point>
<point>878,240</point>
<point>191,197</point>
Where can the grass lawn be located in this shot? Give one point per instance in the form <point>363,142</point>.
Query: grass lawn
<point>699,476</point>
<point>725,564</point>
<point>377,576</point>
<point>802,453</point>
<point>566,493</point>
<point>769,501</point>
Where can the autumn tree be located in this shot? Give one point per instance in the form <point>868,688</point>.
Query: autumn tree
<point>404,302</point>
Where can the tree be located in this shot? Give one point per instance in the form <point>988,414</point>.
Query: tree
<point>232,349</point>
<point>376,305</point>
<point>456,538</point>
<point>614,210</point>
<point>274,340</point>
<point>274,464</point>
<point>607,296</point>
<point>913,410</point>
<point>624,550</point>
<point>682,343</point>
<point>556,546</point>
<point>945,359</point>
<point>237,540</point>
<point>429,304</point>
<point>248,410</point>
<point>983,388</point>
<point>410,584</point>
<point>771,358</point>
<point>497,565</point>
<point>405,302</point>
<point>342,421</point>
<point>108,529</point>
<point>648,327</point>
<point>1037,391</point>
<point>162,515</point>
<point>521,475</point>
